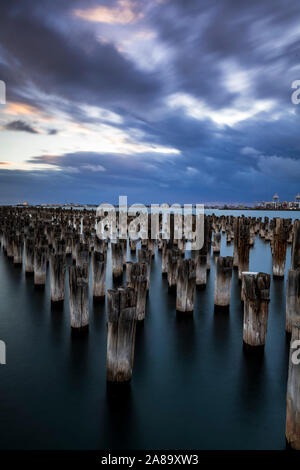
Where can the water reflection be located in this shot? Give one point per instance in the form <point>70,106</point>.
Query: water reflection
<point>120,416</point>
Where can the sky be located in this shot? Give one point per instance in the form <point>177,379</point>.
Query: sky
<point>164,101</point>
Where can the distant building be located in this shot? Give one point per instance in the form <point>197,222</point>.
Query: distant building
<point>280,205</point>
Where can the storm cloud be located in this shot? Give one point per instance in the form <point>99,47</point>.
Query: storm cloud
<point>173,100</point>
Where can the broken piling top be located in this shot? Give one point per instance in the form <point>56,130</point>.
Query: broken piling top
<point>136,272</point>
<point>295,253</point>
<point>225,263</point>
<point>281,227</point>
<point>244,228</point>
<point>121,327</point>
<point>257,286</point>
<point>121,304</point>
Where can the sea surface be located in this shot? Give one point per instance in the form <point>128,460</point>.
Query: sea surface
<point>193,385</point>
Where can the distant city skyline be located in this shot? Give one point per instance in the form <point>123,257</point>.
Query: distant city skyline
<point>162,100</point>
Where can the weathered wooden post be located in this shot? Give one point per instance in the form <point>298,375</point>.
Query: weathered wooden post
<point>57,277</point>
<point>137,278</point>
<point>243,245</point>
<point>124,243</point>
<point>236,222</point>
<point>223,275</point>
<point>279,245</point>
<point>164,257</point>
<point>82,254</point>
<point>121,328</point>
<point>75,245</point>
<point>201,268</point>
<point>68,240</point>
<point>40,265</point>
<point>293,385</point>
<point>59,246</point>
<point>132,245</point>
<point>293,280</point>
<point>256,308</point>
<point>18,243</point>
<point>217,242</point>
<point>145,256</point>
<point>29,256</point>
<point>186,281</point>
<point>202,256</point>
<point>79,296</point>
<point>117,256</point>
<point>174,256</point>
<point>99,274</point>
<point>292,298</point>
<point>9,245</point>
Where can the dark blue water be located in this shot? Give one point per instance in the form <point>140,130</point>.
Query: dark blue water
<point>193,386</point>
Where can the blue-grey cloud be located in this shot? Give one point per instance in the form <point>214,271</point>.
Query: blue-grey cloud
<point>20,126</point>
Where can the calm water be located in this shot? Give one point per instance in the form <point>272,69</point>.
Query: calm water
<point>193,386</point>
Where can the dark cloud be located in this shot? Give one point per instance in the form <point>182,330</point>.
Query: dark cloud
<point>208,37</point>
<point>72,62</point>
<point>20,126</point>
<point>56,62</point>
